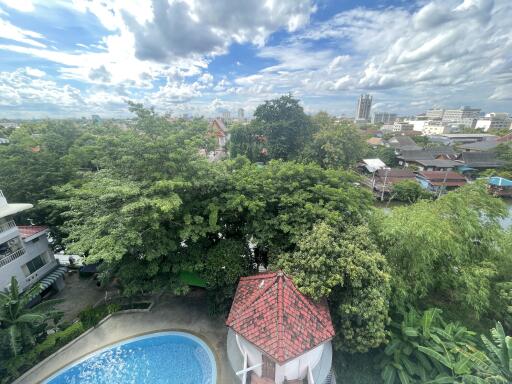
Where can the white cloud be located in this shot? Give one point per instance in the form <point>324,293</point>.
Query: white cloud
<point>9,31</point>
<point>19,5</point>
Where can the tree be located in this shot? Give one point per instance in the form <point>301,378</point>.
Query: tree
<point>345,267</point>
<point>280,128</point>
<point>276,204</point>
<point>19,325</point>
<point>338,145</point>
<point>447,252</point>
<point>494,363</point>
<point>409,191</point>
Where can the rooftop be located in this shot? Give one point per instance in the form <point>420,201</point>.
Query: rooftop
<point>30,231</point>
<point>270,312</point>
<point>442,175</point>
<point>481,160</point>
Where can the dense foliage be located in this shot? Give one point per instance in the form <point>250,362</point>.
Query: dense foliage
<point>347,268</point>
<point>140,198</point>
<point>447,252</point>
<point>20,326</point>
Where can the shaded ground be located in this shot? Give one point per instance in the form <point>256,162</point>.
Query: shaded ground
<point>77,295</point>
<point>188,314</point>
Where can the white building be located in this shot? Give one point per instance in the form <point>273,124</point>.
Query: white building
<point>435,127</point>
<point>24,252</point>
<point>383,117</point>
<point>466,116</point>
<point>277,335</point>
<point>364,106</point>
<point>494,120</point>
<point>402,126</point>
<point>434,113</point>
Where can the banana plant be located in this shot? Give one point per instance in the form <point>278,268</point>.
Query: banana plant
<point>425,349</point>
<point>494,364</point>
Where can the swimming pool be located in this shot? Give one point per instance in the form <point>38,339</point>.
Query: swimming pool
<point>157,358</point>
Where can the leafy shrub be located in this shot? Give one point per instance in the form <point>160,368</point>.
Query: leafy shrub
<point>409,191</point>
<point>90,317</point>
<point>423,348</point>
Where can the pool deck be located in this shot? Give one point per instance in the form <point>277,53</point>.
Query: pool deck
<point>187,314</point>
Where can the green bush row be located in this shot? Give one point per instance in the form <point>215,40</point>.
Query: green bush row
<point>89,317</point>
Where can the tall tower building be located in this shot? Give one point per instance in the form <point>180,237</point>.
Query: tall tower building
<point>364,106</point>
<point>240,113</point>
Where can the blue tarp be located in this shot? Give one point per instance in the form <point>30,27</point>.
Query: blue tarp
<point>500,181</point>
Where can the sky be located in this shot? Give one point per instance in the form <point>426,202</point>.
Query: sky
<point>75,58</point>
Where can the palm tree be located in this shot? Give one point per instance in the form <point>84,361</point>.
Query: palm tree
<point>494,366</point>
<point>19,325</point>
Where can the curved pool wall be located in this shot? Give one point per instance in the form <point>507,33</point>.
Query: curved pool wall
<point>156,358</point>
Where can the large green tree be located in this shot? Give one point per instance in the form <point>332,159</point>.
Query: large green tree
<point>280,130</point>
<point>447,252</point>
<point>345,267</point>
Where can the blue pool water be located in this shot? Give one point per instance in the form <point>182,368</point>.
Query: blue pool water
<point>158,358</point>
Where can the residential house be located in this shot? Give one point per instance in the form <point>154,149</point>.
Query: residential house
<point>465,138</point>
<point>278,335</point>
<point>403,143</point>
<point>25,253</point>
<point>221,134</point>
<point>375,141</point>
<point>481,160</point>
<point>418,158</point>
<point>499,186</point>
<point>440,181</point>
<point>385,178</point>
<point>371,165</point>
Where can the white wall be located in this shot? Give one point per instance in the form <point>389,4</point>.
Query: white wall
<point>294,369</point>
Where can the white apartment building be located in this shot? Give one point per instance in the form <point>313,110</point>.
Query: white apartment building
<point>463,116</point>
<point>402,126</point>
<point>434,113</point>
<point>494,120</point>
<point>25,253</point>
<point>434,127</point>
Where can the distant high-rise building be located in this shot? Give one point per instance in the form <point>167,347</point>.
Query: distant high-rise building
<point>241,113</point>
<point>226,116</point>
<point>383,117</point>
<point>364,106</point>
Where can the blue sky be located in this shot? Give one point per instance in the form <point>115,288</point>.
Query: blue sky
<point>79,57</point>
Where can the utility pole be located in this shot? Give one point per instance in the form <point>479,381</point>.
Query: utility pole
<point>444,182</point>
<point>384,186</point>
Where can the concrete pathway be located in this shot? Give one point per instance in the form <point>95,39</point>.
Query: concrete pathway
<point>187,314</point>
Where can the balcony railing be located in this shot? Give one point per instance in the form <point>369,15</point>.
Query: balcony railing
<point>6,226</point>
<point>8,257</point>
<point>3,200</point>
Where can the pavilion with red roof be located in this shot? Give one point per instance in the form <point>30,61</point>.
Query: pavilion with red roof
<point>278,335</point>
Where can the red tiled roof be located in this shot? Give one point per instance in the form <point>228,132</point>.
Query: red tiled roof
<point>442,175</point>
<point>30,230</point>
<point>270,312</point>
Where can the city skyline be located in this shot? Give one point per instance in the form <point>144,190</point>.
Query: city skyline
<point>69,59</point>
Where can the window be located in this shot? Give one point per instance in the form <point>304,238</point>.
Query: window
<point>34,264</point>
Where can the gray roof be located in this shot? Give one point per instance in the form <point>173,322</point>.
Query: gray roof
<point>402,142</point>
<point>482,160</point>
<point>485,145</point>
<point>438,163</point>
<point>426,153</point>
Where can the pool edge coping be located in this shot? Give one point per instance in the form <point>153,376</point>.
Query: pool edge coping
<point>105,319</point>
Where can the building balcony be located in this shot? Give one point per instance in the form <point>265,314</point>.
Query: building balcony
<point>7,225</point>
<point>3,200</point>
<point>11,256</point>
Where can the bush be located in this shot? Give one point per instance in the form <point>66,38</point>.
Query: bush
<point>90,317</point>
<point>409,191</point>
<point>15,366</point>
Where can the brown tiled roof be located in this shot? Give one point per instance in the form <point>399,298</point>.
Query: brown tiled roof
<point>30,230</point>
<point>442,175</point>
<point>270,312</point>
